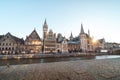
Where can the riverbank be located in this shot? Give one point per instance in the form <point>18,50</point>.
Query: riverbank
<point>32,56</point>
<point>35,56</point>
<point>70,70</point>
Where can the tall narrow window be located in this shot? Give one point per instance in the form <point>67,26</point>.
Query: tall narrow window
<point>6,44</point>
<point>12,48</point>
<point>6,48</point>
<point>9,44</point>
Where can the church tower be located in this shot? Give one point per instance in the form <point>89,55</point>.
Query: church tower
<point>83,39</point>
<point>45,29</point>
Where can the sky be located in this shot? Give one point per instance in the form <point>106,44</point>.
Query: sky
<point>101,17</point>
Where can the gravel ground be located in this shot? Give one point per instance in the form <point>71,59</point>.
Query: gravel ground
<point>107,69</point>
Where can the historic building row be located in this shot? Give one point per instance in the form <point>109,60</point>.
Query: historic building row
<point>50,43</point>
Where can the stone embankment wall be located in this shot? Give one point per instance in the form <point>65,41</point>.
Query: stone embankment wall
<point>44,55</point>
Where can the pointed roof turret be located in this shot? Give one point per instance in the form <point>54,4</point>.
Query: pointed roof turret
<point>45,22</point>
<point>82,30</point>
<point>71,36</point>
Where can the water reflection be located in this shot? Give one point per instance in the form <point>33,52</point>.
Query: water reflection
<point>47,60</point>
<point>107,56</point>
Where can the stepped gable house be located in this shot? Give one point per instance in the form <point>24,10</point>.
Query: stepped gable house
<point>10,44</point>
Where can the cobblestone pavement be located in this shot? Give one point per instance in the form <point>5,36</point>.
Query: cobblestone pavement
<point>108,69</point>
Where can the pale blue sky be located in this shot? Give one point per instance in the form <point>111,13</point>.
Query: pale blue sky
<point>101,17</point>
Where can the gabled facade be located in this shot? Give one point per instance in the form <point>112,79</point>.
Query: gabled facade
<point>74,45</point>
<point>62,46</point>
<point>10,44</point>
<point>33,43</point>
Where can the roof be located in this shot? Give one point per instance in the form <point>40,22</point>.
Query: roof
<point>101,40</point>
<point>82,30</point>
<point>60,38</point>
<point>34,36</point>
<point>1,36</point>
<point>45,24</point>
<point>73,42</point>
<point>16,39</point>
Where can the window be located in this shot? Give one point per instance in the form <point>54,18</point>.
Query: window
<point>9,44</point>
<point>12,48</point>
<point>6,44</point>
<point>7,36</point>
<point>3,39</point>
<point>3,44</point>
<point>9,48</point>
<point>2,48</point>
<point>6,48</point>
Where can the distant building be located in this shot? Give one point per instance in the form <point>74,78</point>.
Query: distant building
<point>10,44</point>
<point>33,43</point>
<point>49,40</point>
<point>99,45</point>
<point>84,40</point>
<point>73,44</point>
<point>81,43</point>
<point>110,45</point>
<point>62,46</point>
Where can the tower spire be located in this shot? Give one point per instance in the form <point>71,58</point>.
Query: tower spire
<point>45,22</point>
<point>82,30</point>
<point>71,36</point>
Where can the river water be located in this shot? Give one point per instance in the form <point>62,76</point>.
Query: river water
<point>48,60</point>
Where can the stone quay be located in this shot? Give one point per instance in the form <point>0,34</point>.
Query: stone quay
<point>105,69</point>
